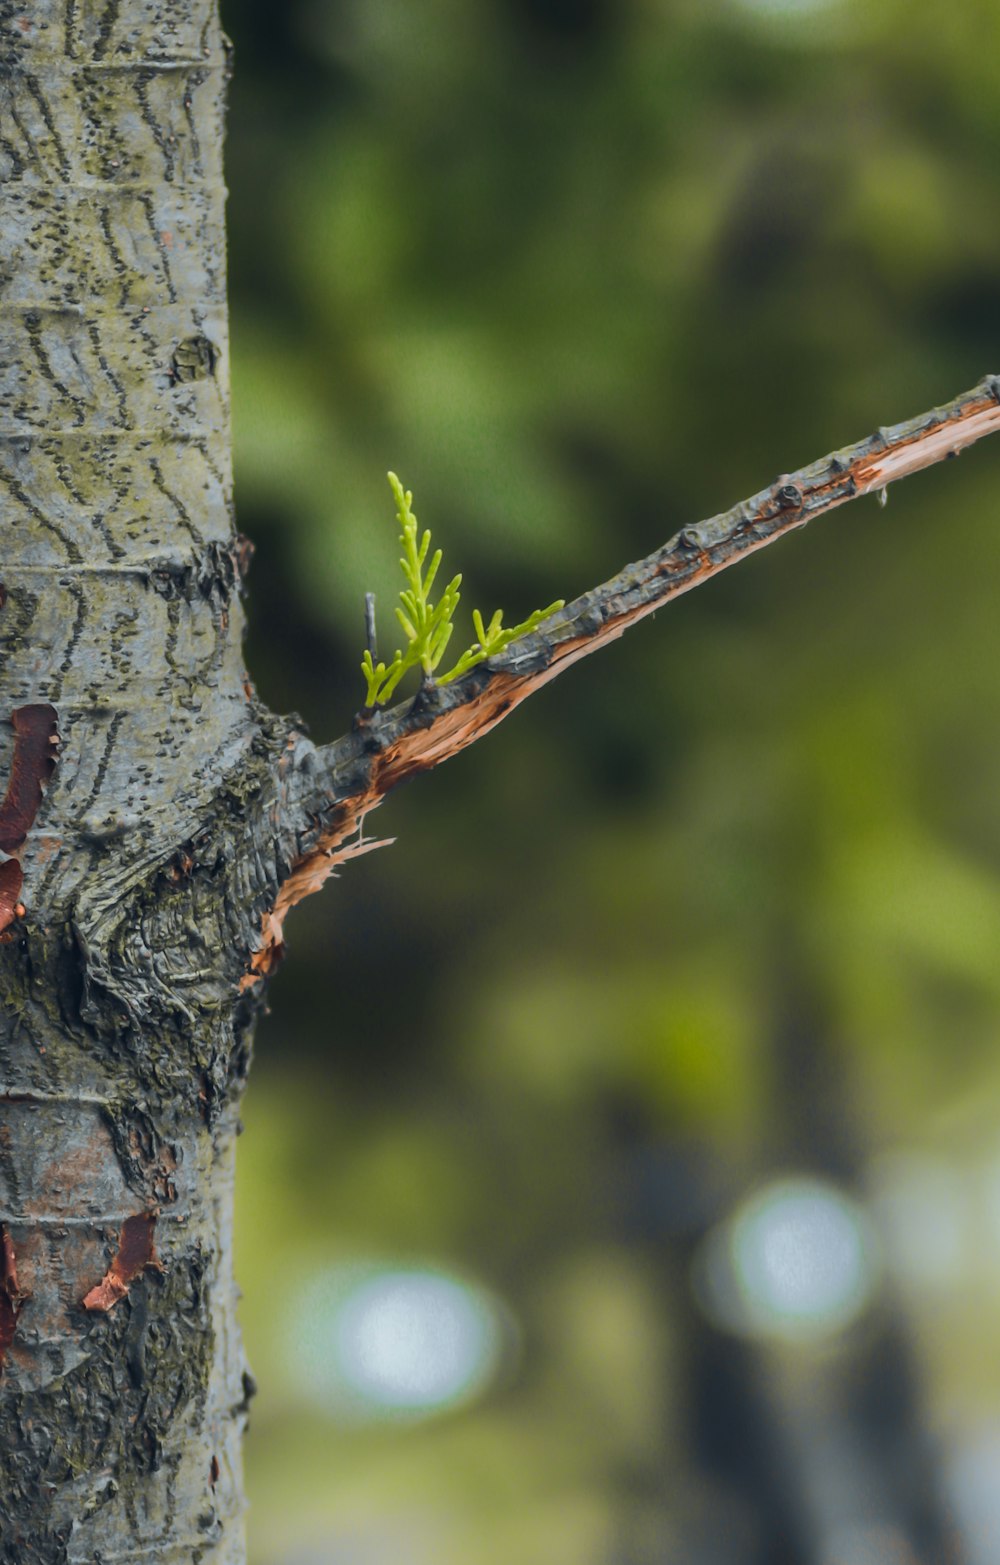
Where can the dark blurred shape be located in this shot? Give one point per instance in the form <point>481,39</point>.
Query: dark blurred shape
<point>569,26</point>
<point>821,1447</point>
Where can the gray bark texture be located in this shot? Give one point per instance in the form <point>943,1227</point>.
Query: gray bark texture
<point>158,823</point>
<point>132,888</point>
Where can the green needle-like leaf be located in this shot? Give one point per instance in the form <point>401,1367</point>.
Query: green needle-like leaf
<point>428,627</point>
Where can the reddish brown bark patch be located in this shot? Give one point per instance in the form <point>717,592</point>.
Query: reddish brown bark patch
<point>11,1297</point>
<point>11,881</point>
<point>243,553</point>
<point>306,877</point>
<point>135,1252</point>
<point>35,741</point>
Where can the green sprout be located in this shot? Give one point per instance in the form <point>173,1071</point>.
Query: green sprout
<point>428,626</point>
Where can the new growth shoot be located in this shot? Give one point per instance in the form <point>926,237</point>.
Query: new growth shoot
<point>428,626</point>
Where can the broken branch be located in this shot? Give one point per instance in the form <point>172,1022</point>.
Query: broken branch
<point>351,777</point>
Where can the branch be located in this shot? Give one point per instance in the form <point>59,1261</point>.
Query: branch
<point>342,783</point>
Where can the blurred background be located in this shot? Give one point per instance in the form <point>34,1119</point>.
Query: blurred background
<point>626,1139</point>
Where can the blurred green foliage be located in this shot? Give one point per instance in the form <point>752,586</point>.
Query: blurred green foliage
<point>587,271</point>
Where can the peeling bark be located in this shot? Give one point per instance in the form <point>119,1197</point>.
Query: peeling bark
<point>135,1252</point>
<point>35,744</point>
<point>11,881</point>
<point>11,1296</point>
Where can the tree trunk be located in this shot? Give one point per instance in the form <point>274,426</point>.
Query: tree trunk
<point>132,885</point>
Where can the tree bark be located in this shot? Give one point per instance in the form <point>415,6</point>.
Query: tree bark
<point>158,823</point>
<point>127,900</point>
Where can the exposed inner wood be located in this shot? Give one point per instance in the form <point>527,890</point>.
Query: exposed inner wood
<point>688,560</point>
